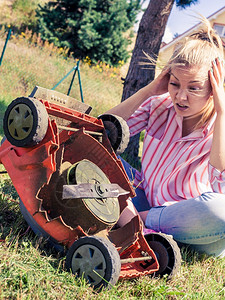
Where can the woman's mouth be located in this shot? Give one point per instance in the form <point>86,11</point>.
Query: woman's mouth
<point>181,107</point>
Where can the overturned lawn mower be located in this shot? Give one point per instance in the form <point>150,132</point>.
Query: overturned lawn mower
<point>73,187</point>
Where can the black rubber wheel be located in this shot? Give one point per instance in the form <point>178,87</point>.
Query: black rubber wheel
<point>90,256</point>
<point>117,131</point>
<point>167,253</point>
<point>25,122</point>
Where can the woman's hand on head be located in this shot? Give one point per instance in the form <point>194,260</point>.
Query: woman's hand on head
<point>216,75</point>
<point>160,84</point>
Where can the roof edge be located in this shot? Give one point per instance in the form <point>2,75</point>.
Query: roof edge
<point>175,40</point>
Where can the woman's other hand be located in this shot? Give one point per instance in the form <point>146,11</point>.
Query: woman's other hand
<point>217,153</point>
<point>159,85</point>
<point>216,75</point>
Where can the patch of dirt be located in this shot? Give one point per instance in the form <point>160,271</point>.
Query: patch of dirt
<point>6,2</point>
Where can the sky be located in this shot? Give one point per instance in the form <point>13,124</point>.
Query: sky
<point>181,20</point>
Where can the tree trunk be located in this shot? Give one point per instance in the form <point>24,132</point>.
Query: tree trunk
<point>149,37</point>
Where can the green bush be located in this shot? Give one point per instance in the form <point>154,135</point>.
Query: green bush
<point>89,28</point>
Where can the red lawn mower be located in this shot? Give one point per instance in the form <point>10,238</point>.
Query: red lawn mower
<point>73,188</point>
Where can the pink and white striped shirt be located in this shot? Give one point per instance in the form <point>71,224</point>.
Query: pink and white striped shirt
<point>174,168</point>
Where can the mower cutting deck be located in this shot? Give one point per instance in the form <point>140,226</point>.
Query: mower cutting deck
<point>73,188</point>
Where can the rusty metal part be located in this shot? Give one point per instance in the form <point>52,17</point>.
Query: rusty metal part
<point>134,250</point>
<point>85,171</point>
<point>88,190</point>
<point>75,130</point>
<point>59,98</point>
<point>77,119</point>
<point>134,259</point>
<point>73,148</point>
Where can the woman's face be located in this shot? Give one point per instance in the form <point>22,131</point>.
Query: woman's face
<point>189,89</point>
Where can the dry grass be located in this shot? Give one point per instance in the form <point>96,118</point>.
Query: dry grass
<point>25,65</point>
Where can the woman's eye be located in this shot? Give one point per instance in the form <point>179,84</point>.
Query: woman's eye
<point>194,89</point>
<point>173,83</point>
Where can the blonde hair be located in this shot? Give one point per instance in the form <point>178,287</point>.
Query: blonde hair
<point>199,49</point>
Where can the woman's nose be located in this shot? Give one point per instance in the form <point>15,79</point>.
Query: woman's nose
<point>182,94</point>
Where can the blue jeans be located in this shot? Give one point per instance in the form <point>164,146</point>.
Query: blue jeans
<point>198,222</point>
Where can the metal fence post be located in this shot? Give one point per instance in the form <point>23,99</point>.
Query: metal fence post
<point>6,41</point>
<point>75,69</point>
<point>63,78</point>
<point>79,78</point>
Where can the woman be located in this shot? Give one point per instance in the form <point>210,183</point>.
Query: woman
<point>180,189</point>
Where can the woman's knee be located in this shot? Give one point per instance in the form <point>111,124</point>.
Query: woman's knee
<point>196,221</point>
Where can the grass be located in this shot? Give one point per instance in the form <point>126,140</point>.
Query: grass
<point>29,267</point>
<point>25,65</point>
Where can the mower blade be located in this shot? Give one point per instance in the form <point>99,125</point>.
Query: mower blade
<point>88,190</point>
